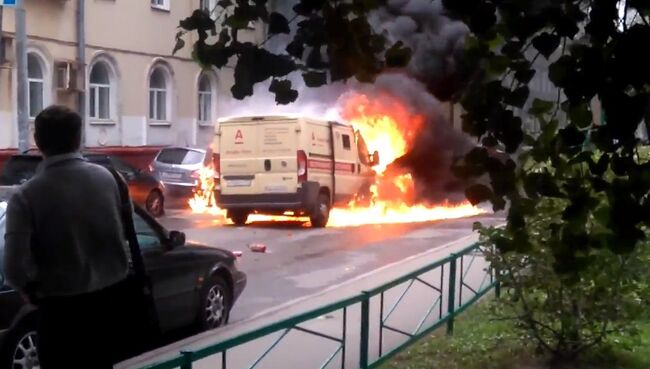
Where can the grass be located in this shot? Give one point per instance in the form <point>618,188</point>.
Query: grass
<point>482,343</point>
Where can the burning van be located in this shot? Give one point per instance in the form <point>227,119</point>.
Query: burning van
<point>289,165</point>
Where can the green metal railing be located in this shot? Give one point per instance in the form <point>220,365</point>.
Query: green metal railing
<point>451,286</point>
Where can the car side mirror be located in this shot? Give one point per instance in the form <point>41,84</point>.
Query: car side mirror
<point>374,160</point>
<point>176,239</point>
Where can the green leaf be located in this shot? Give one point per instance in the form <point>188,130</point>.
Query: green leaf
<point>540,107</point>
<point>314,79</point>
<point>278,24</point>
<point>224,3</point>
<point>518,97</point>
<point>525,75</point>
<point>236,22</point>
<point>559,70</point>
<point>179,45</point>
<point>580,115</point>
<point>398,55</point>
<point>478,193</point>
<point>549,131</point>
<point>284,94</point>
<point>498,64</point>
<point>199,21</point>
<point>296,49</point>
<point>546,43</point>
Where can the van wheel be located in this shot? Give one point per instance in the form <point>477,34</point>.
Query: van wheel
<point>238,217</point>
<point>321,214</point>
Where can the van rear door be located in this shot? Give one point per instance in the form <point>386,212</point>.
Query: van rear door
<point>258,156</point>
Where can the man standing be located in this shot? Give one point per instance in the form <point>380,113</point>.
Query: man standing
<point>66,249</point>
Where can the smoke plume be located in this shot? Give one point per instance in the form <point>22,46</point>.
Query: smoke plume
<point>436,42</point>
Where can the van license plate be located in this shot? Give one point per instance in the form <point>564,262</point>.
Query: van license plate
<point>167,175</point>
<point>276,189</point>
<point>239,182</point>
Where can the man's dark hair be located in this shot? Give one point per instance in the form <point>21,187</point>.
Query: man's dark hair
<point>57,130</point>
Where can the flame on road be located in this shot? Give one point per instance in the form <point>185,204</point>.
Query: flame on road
<point>388,127</point>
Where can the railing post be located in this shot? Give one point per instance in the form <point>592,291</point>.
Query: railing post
<point>187,360</point>
<point>451,299</point>
<point>497,276</point>
<point>497,285</point>
<point>365,331</point>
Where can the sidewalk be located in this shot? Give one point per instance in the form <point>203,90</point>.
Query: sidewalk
<point>301,350</point>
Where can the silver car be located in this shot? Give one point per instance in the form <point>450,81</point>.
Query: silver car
<point>178,168</point>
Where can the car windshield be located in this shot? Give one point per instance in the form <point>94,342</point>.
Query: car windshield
<point>180,156</point>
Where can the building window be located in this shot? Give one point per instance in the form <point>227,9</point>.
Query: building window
<point>158,95</point>
<point>160,4</point>
<point>100,92</point>
<point>205,99</point>
<point>36,80</point>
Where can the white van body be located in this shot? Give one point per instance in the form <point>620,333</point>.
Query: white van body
<point>279,164</point>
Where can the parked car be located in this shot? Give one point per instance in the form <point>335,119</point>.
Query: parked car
<point>193,284</point>
<point>178,168</point>
<point>144,188</point>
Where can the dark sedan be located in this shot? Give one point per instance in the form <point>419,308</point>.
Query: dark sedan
<point>193,285</point>
<point>144,188</point>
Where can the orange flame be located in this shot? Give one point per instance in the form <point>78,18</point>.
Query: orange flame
<point>388,127</point>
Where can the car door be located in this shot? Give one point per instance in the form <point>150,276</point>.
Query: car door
<point>173,273</point>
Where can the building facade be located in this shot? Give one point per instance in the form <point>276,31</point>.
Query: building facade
<point>133,91</point>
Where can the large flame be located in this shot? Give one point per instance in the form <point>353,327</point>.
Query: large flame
<point>388,127</point>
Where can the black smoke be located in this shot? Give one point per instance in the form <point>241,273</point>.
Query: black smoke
<point>435,39</point>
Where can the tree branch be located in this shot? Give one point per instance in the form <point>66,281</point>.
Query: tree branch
<point>527,317</point>
<point>559,90</point>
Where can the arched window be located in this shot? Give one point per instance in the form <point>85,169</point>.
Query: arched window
<point>36,80</point>
<point>99,99</point>
<point>158,94</point>
<point>205,99</point>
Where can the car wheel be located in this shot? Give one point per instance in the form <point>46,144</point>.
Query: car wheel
<point>321,214</point>
<point>21,350</point>
<point>155,203</point>
<point>238,217</point>
<point>216,301</point>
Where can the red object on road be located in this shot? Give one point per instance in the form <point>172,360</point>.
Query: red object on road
<point>257,247</point>
<point>238,253</point>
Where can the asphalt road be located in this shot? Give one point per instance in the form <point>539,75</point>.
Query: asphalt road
<point>301,261</point>
<point>309,268</point>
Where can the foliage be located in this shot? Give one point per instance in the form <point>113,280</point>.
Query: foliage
<point>578,196</point>
<point>567,314</point>
<point>332,41</point>
<point>492,343</point>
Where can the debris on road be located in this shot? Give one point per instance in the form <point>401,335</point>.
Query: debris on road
<point>238,253</point>
<point>257,247</point>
